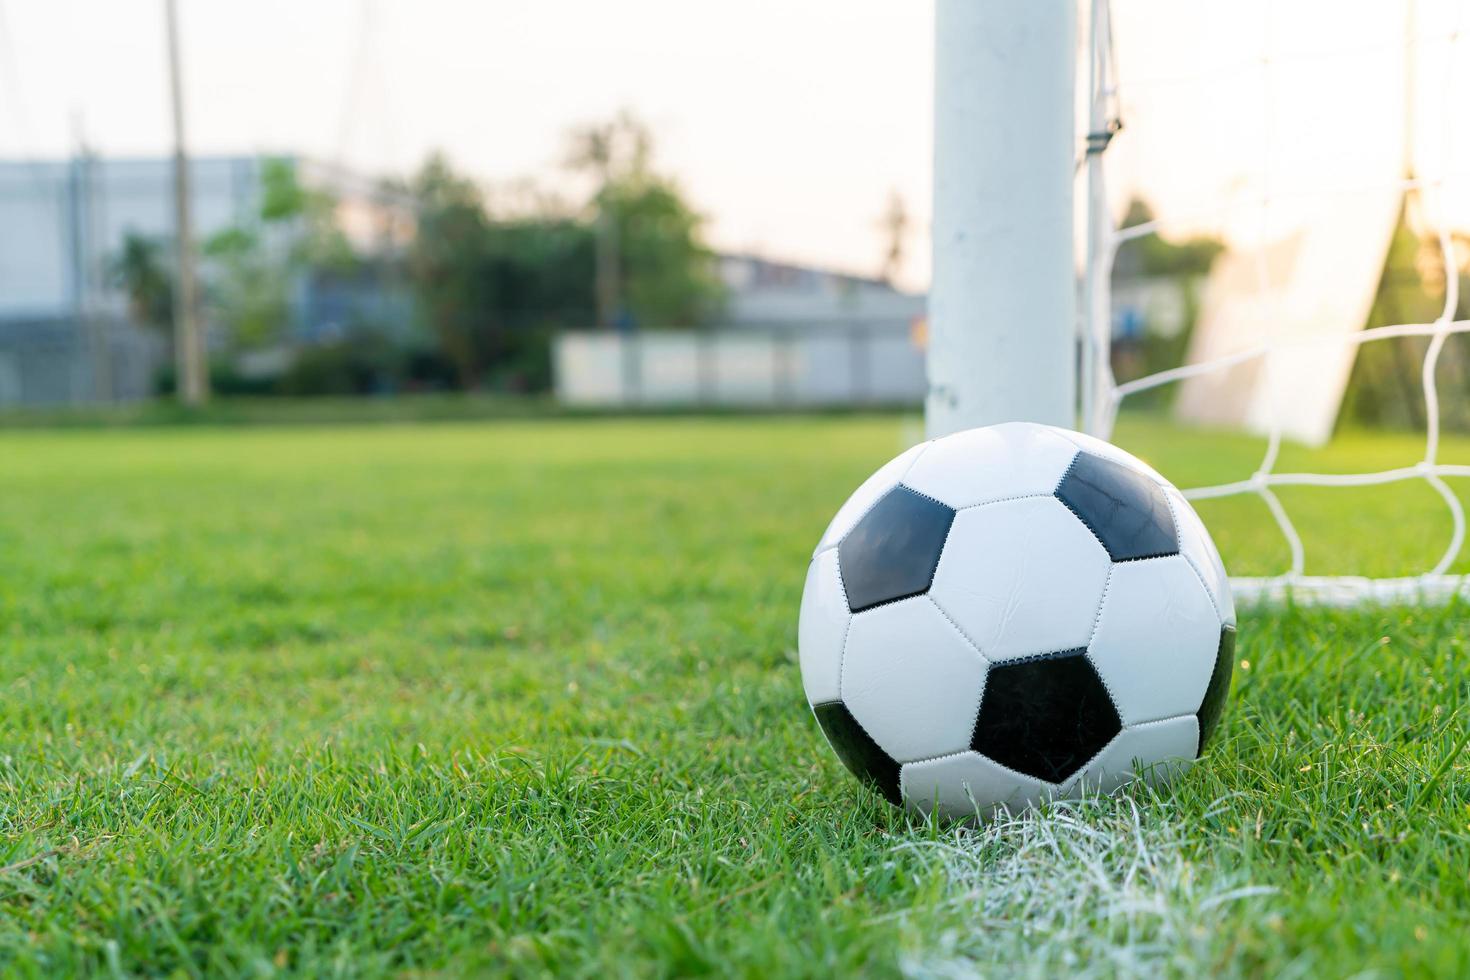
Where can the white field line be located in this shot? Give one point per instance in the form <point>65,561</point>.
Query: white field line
<point>1095,888</point>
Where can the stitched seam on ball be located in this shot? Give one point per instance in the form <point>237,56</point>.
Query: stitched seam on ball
<point>1096,623</point>
<point>924,449</point>
<point>943,547</point>
<point>1097,616</point>
<point>863,728</point>
<point>1018,773</point>
<point>1159,721</point>
<point>1158,481</point>
<point>1068,471</point>
<point>1085,522</point>
<point>1032,658</point>
<point>1178,527</point>
<point>889,602</point>
<point>1161,554</point>
<point>846,632</point>
<point>1108,690</point>
<point>941,758</point>
<point>1134,773</point>
<point>842,658</point>
<point>1075,456</point>
<point>917,456</point>
<point>1088,524</point>
<point>1070,783</point>
<point>980,696</point>
<point>1000,765</point>
<point>842,587</point>
<point>1219,612</point>
<point>920,493</point>
<point>1209,593</point>
<point>960,630</point>
<point>1004,500</point>
<point>932,575</point>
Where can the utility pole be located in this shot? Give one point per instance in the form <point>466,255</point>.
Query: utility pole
<point>607,238</point>
<point>189,354</point>
<point>90,254</point>
<point>895,226</point>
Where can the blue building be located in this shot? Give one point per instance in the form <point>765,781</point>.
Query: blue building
<point>65,334</point>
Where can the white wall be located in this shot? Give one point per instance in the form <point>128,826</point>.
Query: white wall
<point>739,368</point>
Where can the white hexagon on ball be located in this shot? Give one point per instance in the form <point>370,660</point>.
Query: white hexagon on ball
<point>998,462</point>
<point>822,629</point>
<point>1195,545</point>
<point>1157,638</point>
<point>1021,578</point>
<point>968,784</point>
<point>911,680</point>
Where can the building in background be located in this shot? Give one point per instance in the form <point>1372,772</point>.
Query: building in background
<point>790,335</point>
<point>764,293</point>
<point>65,333</point>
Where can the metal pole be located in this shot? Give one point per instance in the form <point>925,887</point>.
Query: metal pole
<point>189,354</point>
<point>607,263</point>
<point>1094,360</point>
<point>1003,304</point>
<point>1411,68</point>
<point>97,328</point>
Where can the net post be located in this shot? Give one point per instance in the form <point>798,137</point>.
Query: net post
<point>1095,374</point>
<point>1003,304</point>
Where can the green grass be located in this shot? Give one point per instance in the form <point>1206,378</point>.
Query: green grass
<point>522,697</point>
<point>236,411</point>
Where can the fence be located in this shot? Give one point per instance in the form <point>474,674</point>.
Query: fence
<point>72,360</point>
<point>810,366</point>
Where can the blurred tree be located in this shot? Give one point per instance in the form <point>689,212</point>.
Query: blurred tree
<point>317,240</point>
<point>492,290</point>
<point>1385,387</point>
<point>490,283</point>
<point>247,286</point>
<point>143,270</point>
<point>253,265</point>
<point>652,266</point>
<point>1185,263</point>
<point>494,283</point>
<point>447,261</point>
<point>604,150</point>
<point>1154,255</point>
<point>668,276</point>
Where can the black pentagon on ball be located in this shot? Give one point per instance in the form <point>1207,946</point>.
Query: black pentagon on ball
<point>857,750</point>
<point>1045,716</point>
<point>892,552</point>
<point>1124,508</point>
<point>1219,686</point>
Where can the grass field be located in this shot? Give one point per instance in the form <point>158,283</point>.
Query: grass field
<point>522,697</point>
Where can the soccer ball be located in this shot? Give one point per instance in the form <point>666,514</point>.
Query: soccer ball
<point>1012,614</point>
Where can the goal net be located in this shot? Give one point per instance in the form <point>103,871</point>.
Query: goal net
<point>1323,146</point>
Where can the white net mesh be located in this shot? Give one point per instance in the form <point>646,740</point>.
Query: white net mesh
<point>1103,395</point>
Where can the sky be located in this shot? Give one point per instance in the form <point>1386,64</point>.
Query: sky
<point>1300,100</point>
<point>789,124</point>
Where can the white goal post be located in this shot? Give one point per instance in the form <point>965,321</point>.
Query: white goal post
<point>1002,304</point>
<point>1021,316</point>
